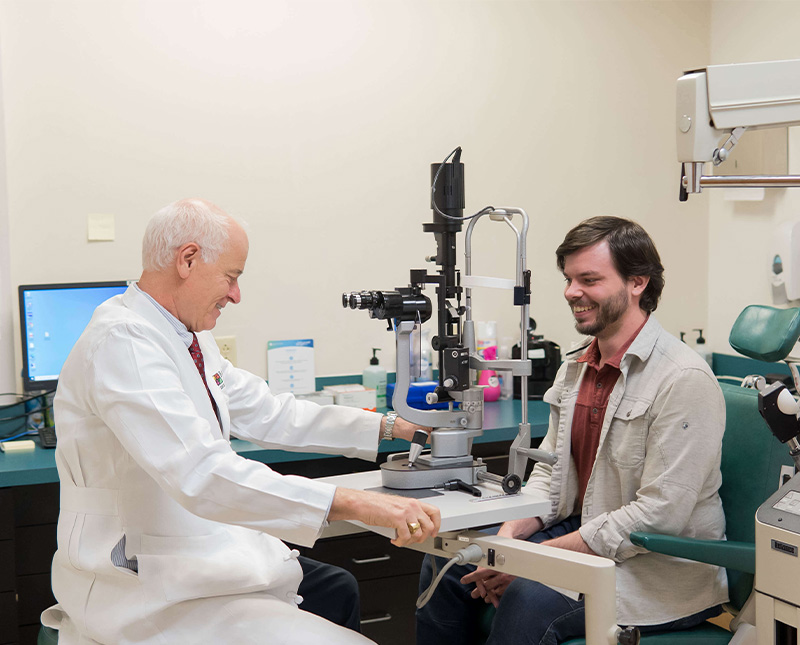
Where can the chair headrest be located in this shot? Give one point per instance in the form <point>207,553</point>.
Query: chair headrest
<point>766,333</point>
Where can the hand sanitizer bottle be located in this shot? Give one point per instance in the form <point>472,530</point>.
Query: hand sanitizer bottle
<point>489,377</point>
<point>374,377</point>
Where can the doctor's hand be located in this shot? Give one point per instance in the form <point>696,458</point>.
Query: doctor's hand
<point>414,521</point>
<point>489,584</point>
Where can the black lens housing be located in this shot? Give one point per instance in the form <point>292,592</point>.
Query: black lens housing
<point>404,303</point>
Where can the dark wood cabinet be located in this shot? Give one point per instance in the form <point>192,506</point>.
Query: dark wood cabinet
<point>28,517</point>
<point>387,580</point>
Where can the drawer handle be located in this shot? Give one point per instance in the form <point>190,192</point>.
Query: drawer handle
<point>382,558</point>
<point>379,619</point>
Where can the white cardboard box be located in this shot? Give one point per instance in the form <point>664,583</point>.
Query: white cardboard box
<point>345,387</point>
<point>365,399</point>
<point>320,398</point>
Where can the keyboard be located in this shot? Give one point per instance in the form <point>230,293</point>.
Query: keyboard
<point>47,437</point>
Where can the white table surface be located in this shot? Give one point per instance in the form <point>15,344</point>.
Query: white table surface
<point>459,510</point>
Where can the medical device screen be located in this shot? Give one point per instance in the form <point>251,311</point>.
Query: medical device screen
<point>52,318</point>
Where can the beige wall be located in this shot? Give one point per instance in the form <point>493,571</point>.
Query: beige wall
<point>316,121</point>
<point>741,234</point>
<point>7,364</point>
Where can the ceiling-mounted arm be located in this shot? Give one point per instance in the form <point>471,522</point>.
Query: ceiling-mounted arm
<point>716,105</point>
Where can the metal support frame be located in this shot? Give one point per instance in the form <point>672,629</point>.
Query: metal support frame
<point>694,180</point>
<point>590,575</point>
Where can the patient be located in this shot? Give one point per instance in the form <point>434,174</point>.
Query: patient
<point>636,419</point>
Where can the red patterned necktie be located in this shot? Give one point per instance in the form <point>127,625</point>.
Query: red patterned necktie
<point>197,357</point>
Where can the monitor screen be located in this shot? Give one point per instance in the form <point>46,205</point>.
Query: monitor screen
<point>52,318</point>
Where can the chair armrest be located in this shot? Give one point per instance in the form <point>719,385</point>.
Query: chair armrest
<point>740,556</point>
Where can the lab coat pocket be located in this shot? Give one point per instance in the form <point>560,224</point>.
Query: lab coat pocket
<point>173,569</point>
<point>627,435</point>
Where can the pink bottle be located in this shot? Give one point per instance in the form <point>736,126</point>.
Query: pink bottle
<point>489,377</point>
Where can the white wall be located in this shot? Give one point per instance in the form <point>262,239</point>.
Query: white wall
<point>7,363</point>
<point>741,233</point>
<point>316,121</point>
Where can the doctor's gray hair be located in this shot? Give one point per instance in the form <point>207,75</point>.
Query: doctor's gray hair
<point>184,221</point>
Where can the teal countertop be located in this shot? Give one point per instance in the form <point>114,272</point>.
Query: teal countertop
<point>501,420</point>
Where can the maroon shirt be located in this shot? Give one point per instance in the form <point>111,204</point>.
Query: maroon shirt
<point>590,408</point>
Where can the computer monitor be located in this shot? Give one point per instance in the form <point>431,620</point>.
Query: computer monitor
<point>52,318</point>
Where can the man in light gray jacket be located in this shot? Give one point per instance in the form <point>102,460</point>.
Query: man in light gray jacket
<point>636,419</point>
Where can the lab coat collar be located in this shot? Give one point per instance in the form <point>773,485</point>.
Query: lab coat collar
<point>135,300</point>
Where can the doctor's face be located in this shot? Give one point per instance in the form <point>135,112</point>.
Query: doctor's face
<point>211,286</point>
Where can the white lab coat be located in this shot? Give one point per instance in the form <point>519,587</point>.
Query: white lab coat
<point>141,454</point>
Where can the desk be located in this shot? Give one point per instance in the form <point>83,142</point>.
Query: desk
<point>29,511</point>
<point>458,510</point>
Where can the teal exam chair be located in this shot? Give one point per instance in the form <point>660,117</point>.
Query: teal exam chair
<point>47,636</point>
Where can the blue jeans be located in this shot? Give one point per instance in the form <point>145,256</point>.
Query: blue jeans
<point>530,613</point>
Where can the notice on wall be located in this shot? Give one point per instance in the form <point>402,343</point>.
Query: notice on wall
<point>290,366</point>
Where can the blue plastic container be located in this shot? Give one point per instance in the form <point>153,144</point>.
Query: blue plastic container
<point>416,396</point>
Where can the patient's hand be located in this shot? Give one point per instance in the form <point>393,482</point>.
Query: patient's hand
<point>489,584</point>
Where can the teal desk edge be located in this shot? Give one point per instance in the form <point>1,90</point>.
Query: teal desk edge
<point>501,421</point>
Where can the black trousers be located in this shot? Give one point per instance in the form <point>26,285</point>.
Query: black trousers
<point>330,592</point>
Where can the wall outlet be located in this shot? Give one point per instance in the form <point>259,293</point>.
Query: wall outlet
<point>227,347</point>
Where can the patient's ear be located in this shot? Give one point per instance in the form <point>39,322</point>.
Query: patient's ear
<point>639,284</point>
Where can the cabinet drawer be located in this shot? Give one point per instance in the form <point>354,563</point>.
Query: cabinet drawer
<point>35,548</point>
<point>8,617</point>
<point>29,635</point>
<point>35,595</point>
<point>367,556</point>
<point>387,609</point>
<point>36,504</point>
<point>8,572</point>
<point>6,514</point>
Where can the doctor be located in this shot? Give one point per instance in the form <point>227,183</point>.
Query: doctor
<point>165,534</point>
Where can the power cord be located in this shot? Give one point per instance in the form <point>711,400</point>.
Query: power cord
<point>472,553</point>
<point>21,400</point>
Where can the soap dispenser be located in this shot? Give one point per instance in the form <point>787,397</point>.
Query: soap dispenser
<point>374,377</point>
<point>702,349</point>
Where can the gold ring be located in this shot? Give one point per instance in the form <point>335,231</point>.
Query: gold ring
<point>413,527</point>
